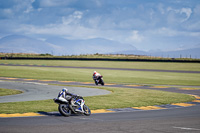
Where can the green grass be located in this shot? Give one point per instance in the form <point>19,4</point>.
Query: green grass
<point>127,97</point>
<point>119,98</point>
<point>110,76</point>
<point>111,64</point>
<point>5,92</point>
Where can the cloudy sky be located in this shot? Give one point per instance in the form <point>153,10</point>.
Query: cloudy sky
<point>145,24</point>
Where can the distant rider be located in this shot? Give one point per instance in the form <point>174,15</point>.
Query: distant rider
<point>96,76</point>
<point>65,95</point>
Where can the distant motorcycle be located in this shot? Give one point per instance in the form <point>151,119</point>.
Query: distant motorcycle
<point>76,106</point>
<point>99,80</point>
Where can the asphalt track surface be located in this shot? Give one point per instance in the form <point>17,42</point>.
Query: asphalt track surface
<point>171,120</point>
<point>41,91</point>
<point>185,120</point>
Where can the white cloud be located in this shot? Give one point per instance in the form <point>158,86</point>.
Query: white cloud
<point>29,9</point>
<point>63,30</point>
<point>168,32</point>
<point>178,12</point>
<point>127,21</point>
<point>187,11</point>
<point>72,19</point>
<point>77,15</point>
<point>135,37</point>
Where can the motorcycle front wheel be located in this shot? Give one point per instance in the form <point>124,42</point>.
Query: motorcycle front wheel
<point>96,82</point>
<point>64,109</point>
<point>87,111</point>
<point>102,82</point>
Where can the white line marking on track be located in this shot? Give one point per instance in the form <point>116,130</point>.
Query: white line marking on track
<point>186,128</point>
<point>36,83</point>
<point>90,119</point>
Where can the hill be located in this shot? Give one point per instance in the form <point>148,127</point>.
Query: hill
<point>23,44</point>
<point>60,46</point>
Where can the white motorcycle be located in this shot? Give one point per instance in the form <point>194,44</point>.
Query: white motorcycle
<point>72,104</point>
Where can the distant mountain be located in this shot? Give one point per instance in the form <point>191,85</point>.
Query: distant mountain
<point>60,46</point>
<point>89,46</point>
<point>23,44</point>
<point>187,53</point>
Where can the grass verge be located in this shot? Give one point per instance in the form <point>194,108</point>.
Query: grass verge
<point>110,76</point>
<point>119,98</point>
<point>110,64</point>
<point>5,92</point>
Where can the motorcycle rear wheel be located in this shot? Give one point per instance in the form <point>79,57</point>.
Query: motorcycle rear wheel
<point>64,109</point>
<point>87,111</point>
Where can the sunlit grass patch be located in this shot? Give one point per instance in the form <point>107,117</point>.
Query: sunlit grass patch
<point>119,98</point>
<point>4,92</point>
<point>110,76</point>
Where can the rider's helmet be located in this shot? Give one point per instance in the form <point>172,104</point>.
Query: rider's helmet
<point>94,72</point>
<point>65,90</point>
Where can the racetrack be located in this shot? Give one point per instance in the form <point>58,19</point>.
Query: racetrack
<point>40,91</point>
<point>180,119</point>
<point>158,121</point>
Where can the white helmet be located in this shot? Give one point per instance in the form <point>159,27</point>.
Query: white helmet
<point>65,89</point>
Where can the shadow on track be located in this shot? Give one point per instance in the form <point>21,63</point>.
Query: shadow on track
<point>57,114</point>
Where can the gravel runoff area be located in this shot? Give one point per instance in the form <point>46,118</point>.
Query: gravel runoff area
<point>38,91</point>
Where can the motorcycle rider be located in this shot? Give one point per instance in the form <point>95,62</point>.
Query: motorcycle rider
<point>96,76</point>
<point>64,95</point>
